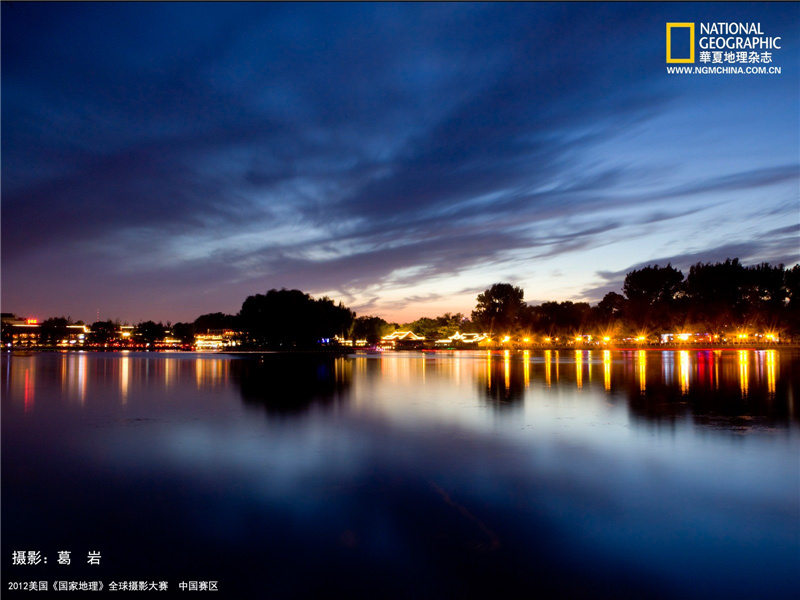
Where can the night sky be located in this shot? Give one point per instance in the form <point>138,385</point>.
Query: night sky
<point>162,161</point>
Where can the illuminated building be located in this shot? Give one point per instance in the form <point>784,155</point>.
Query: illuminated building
<point>215,339</point>
<point>458,340</point>
<point>402,339</point>
<point>19,332</point>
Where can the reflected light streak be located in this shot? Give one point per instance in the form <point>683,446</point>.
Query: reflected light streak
<point>526,367</point>
<point>641,361</point>
<point>556,361</point>
<point>589,364</point>
<point>683,370</point>
<point>64,375</point>
<point>361,364</point>
<point>547,359</point>
<point>744,371</point>
<point>82,366</point>
<point>668,366</point>
<point>28,397</point>
<point>579,368</point>
<point>124,378</point>
<point>198,371</point>
<point>771,372</point>
<point>489,369</point>
<point>607,370</point>
<point>168,372</point>
<point>507,370</point>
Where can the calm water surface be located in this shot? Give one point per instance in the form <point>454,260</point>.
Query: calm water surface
<point>545,474</point>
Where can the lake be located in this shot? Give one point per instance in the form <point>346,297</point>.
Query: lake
<point>551,474</point>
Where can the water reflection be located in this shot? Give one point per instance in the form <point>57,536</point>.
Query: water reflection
<point>548,362</point>
<point>503,379</point>
<point>526,363</point>
<point>463,474</point>
<point>684,371</point>
<point>292,384</point>
<point>744,375</point>
<point>124,374</point>
<point>641,361</point>
<point>770,356</point>
<point>716,388</point>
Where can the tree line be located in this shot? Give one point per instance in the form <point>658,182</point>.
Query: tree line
<point>718,298</point>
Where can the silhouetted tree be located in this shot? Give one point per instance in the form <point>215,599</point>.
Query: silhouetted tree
<point>290,318</point>
<point>103,332</point>
<point>53,330</point>
<point>765,294</point>
<point>437,328</point>
<point>330,319</point>
<point>149,332</point>
<point>561,318</point>
<point>500,308</point>
<point>218,320</point>
<point>184,332</point>
<point>792,310</point>
<point>651,293</point>
<point>371,329</point>
<point>715,293</point>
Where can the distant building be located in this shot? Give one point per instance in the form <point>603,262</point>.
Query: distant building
<point>76,335</point>
<point>459,340</point>
<point>216,339</point>
<point>27,332</point>
<point>125,333</point>
<point>17,331</point>
<point>402,339</point>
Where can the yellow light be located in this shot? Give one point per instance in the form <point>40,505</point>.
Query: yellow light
<point>606,338</point>
<point>505,339</point>
<point>546,339</point>
<point>578,338</point>
<point>683,336</point>
<point>526,340</point>
<point>684,371</point>
<point>640,338</point>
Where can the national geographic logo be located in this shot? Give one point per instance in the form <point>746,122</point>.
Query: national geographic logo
<point>722,48</point>
<point>720,41</point>
<point>680,42</point>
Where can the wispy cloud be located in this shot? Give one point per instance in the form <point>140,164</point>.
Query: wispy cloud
<point>349,148</point>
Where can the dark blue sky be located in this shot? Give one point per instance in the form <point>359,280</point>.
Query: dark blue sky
<point>160,161</point>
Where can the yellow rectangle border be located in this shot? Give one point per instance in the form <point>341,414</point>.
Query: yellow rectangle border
<point>691,43</point>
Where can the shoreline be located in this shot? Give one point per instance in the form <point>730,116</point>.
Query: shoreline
<point>373,352</point>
